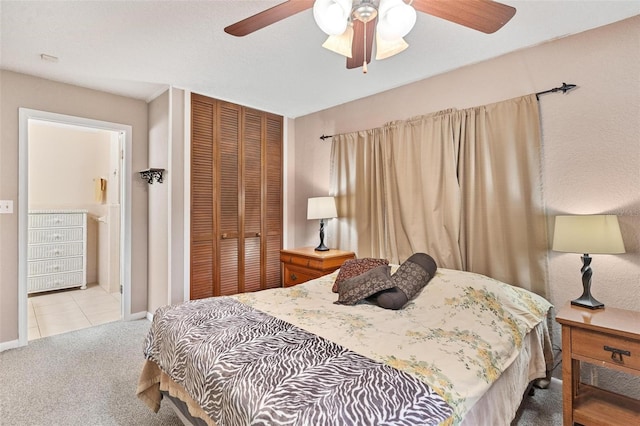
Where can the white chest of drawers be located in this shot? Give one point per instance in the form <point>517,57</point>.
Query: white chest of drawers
<point>57,250</point>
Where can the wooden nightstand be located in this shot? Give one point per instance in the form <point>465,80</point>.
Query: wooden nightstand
<point>304,264</point>
<point>609,338</point>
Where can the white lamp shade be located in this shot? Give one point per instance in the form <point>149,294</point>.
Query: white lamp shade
<point>342,43</point>
<point>590,234</point>
<point>321,208</point>
<point>395,19</point>
<point>387,48</point>
<point>332,16</point>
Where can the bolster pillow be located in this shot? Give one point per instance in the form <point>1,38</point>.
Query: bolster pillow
<point>407,281</point>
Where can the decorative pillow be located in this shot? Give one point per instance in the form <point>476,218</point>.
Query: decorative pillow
<point>364,285</point>
<point>354,267</point>
<point>392,298</point>
<point>408,280</point>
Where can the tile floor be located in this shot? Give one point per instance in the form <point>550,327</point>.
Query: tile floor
<point>67,310</point>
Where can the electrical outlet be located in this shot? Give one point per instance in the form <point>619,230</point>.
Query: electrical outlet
<point>6,206</point>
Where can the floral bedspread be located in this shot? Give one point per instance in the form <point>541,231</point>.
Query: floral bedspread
<point>458,335</point>
<point>245,367</point>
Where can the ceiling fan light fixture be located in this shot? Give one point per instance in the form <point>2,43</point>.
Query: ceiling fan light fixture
<point>387,48</point>
<point>341,44</point>
<point>396,18</point>
<point>364,10</point>
<point>332,16</point>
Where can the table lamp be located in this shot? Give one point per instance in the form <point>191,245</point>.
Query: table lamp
<point>321,208</point>
<point>591,234</point>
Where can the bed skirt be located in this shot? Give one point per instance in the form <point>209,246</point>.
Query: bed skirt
<point>154,382</point>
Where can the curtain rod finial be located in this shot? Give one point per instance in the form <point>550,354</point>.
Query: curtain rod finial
<point>564,89</point>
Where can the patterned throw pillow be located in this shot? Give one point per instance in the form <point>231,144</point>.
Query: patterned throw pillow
<point>354,267</point>
<point>408,280</point>
<point>364,285</point>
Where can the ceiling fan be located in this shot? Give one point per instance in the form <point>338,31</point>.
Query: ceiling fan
<point>352,24</point>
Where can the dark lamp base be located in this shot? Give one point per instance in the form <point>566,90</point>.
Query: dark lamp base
<point>588,302</point>
<point>321,246</point>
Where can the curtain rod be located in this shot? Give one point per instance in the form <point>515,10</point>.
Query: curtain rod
<point>564,89</point>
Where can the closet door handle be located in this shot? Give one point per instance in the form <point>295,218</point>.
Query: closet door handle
<point>258,234</point>
<point>224,236</point>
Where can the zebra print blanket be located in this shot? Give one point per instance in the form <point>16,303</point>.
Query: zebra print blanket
<point>245,367</point>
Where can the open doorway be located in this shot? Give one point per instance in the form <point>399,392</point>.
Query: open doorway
<point>73,254</point>
<point>74,182</point>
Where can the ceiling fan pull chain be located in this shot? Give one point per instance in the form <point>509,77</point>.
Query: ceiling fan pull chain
<point>364,63</point>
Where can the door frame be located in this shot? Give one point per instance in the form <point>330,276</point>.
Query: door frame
<point>125,132</point>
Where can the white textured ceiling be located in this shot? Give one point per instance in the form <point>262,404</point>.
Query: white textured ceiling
<point>137,48</point>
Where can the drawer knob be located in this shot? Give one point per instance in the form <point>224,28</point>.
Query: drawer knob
<point>293,277</point>
<point>616,354</point>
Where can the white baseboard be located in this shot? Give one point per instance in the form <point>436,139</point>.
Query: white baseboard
<point>12,344</point>
<point>149,316</point>
<point>137,316</point>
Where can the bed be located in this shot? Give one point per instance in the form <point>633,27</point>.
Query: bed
<point>463,351</point>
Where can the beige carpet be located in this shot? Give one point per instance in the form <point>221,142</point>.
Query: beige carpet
<point>86,377</point>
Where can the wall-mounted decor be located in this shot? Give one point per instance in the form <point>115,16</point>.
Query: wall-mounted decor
<point>150,174</point>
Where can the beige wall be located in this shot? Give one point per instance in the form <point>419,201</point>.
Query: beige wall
<point>158,203</point>
<point>166,200</point>
<point>18,90</point>
<point>591,149</point>
<point>64,163</point>
<point>178,197</point>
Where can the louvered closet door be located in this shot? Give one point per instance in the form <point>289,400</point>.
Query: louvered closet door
<point>273,203</point>
<point>252,177</point>
<point>236,198</point>
<point>229,170</point>
<point>203,233</point>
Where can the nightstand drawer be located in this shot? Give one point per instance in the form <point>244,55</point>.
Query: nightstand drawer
<point>293,275</point>
<point>304,264</point>
<point>613,350</point>
<point>295,260</point>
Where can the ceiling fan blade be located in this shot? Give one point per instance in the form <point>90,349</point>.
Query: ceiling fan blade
<point>482,15</point>
<point>358,48</point>
<point>268,17</point>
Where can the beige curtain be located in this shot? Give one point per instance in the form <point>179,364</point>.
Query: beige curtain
<point>421,188</point>
<point>503,232</point>
<point>356,182</point>
<point>463,186</point>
